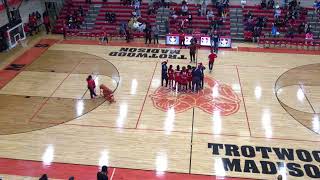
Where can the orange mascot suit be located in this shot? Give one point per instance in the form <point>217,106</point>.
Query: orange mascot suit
<point>107,93</point>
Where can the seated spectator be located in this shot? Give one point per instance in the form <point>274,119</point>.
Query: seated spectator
<point>290,32</point>
<point>301,28</point>
<point>224,16</point>
<point>151,10</point>
<point>256,34</point>
<point>263,4</point>
<point>307,28</point>
<point>81,11</point>
<point>309,36</point>
<point>210,15</point>
<point>277,12</point>
<point>270,4</point>
<point>225,3</point>
<point>293,4</point>
<point>107,16</point>
<point>316,6</point>
<point>190,19</point>
<point>243,3</point>
<point>173,14</point>
<point>137,4</point>
<point>274,31</point>
<point>113,17</point>
<point>184,10</point>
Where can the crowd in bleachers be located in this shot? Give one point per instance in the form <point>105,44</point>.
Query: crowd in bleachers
<point>183,16</point>
<point>75,17</point>
<point>288,21</point>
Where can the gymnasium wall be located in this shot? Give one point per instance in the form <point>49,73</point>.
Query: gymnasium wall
<point>26,8</point>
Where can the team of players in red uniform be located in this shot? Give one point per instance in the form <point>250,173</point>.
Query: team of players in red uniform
<point>187,78</point>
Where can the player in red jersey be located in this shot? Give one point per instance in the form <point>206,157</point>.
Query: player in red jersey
<point>170,76</point>
<point>184,79</point>
<point>189,75</point>
<point>211,58</point>
<point>177,78</point>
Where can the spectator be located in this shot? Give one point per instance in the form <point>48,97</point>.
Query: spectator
<point>215,38</point>
<point>88,1</point>
<point>137,4</point>
<point>220,8</point>
<point>301,28</point>
<point>263,4</point>
<point>44,177</point>
<point>151,9</point>
<point>307,28</point>
<point>155,32</point>
<point>184,10</point>
<point>199,10</point>
<point>46,23</point>
<point>274,31</point>
<point>309,36</point>
<point>256,34</point>
<point>103,174</point>
<point>148,32</point>
<point>243,3</point>
<point>290,32</point>
<point>277,12</point>
<point>71,178</point>
<point>190,19</point>
<point>173,14</point>
<point>113,17</point>
<point>210,15</point>
<point>182,39</point>
<point>270,4</point>
<point>204,5</point>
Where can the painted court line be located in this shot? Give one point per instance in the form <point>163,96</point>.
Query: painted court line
<point>244,103</point>
<point>145,98</point>
<point>48,98</point>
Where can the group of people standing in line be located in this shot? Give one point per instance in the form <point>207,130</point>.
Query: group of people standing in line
<point>186,78</point>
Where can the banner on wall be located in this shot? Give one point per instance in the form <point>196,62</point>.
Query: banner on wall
<point>174,39</point>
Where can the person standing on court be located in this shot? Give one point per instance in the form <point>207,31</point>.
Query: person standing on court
<point>103,174</point>
<point>215,41</point>
<point>182,40</point>
<point>147,31</point>
<point>202,68</point>
<point>164,73</point>
<point>193,49</point>
<point>91,86</point>
<point>155,31</point>
<point>196,75</point>
<point>211,58</point>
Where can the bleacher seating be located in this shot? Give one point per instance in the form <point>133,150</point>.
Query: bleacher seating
<point>69,7</point>
<point>256,11</point>
<point>123,14</point>
<point>199,22</point>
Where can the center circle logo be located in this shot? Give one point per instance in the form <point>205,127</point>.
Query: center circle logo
<point>215,96</point>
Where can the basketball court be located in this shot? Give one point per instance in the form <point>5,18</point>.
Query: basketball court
<point>252,103</point>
